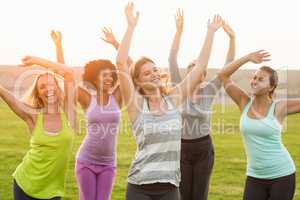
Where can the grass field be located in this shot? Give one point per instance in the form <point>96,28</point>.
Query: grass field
<point>229,171</point>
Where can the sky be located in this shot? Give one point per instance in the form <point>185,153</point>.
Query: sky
<point>270,25</point>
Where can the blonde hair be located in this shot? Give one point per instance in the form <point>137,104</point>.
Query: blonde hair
<point>31,96</point>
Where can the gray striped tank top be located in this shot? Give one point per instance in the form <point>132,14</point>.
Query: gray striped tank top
<point>158,138</point>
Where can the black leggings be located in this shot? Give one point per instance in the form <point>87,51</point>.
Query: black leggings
<point>156,191</point>
<point>276,189</point>
<point>197,161</point>
<point>19,194</point>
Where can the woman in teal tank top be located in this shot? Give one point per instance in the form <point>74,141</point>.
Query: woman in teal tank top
<point>270,168</point>
<point>41,174</point>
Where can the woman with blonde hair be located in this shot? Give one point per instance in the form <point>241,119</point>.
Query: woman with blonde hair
<point>51,118</point>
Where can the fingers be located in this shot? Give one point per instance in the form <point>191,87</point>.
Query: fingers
<point>266,60</point>
<point>26,61</point>
<point>179,13</point>
<point>56,35</point>
<point>52,33</point>
<point>105,31</point>
<point>129,7</point>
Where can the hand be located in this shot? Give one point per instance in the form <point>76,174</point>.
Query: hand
<point>132,19</point>
<point>108,36</point>
<point>215,24</point>
<point>56,37</point>
<point>259,56</point>
<point>179,19</point>
<point>29,61</point>
<point>228,30</point>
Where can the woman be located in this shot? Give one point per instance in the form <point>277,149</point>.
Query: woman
<point>96,157</point>
<point>270,168</point>
<point>197,151</point>
<point>156,121</point>
<point>47,112</point>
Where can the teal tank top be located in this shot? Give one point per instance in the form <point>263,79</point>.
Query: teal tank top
<point>267,157</point>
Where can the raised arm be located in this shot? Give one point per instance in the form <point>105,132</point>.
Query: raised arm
<point>239,96</point>
<point>57,40</point>
<point>57,68</point>
<point>18,107</point>
<point>231,51</point>
<point>129,94</point>
<point>173,65</point>
<point>63,70</point>
<point>197,74</point>
<point>110,38</point>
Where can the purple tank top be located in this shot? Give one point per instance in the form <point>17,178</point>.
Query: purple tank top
<point>99,144</point>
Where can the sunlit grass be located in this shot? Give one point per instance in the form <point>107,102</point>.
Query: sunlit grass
<point>229,171</point>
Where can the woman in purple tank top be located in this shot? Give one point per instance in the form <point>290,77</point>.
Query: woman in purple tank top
<point>95,160</point>
<point>100,99</point>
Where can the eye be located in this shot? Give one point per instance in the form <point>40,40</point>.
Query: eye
<point>147,73</point>
<point>261,79</point>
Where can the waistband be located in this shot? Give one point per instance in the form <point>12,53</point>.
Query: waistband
<point>205,138</point>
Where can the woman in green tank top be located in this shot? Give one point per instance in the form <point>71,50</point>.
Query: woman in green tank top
<point>51,118</point>
<point>270,168</point>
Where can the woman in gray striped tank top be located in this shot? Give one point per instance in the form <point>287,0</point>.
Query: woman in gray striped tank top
<point>156,121</point>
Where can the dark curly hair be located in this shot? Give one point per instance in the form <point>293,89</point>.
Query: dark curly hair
<point>93,68</point>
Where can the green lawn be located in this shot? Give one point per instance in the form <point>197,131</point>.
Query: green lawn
<point>229,172</point>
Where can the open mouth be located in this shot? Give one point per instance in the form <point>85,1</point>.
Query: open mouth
<point>155,79</point>
<point>50,96</point>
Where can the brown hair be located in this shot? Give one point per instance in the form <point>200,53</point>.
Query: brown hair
<point>273,78</point>
<point>32,98</point>
<point>93,68</point>
<point>136,70</point>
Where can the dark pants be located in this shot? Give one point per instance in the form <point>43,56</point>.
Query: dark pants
<point>197,160</point>
<point>157,191</point>
<point>19,194</point>
<point>276,189</point>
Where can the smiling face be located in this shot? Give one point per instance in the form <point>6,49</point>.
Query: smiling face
<point>100,75</point>
<point>148,77</point>
<point>47,90</point>
<point>261,83</point>
<point>105,80</point>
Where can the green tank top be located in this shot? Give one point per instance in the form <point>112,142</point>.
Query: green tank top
<point>43,169</point>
